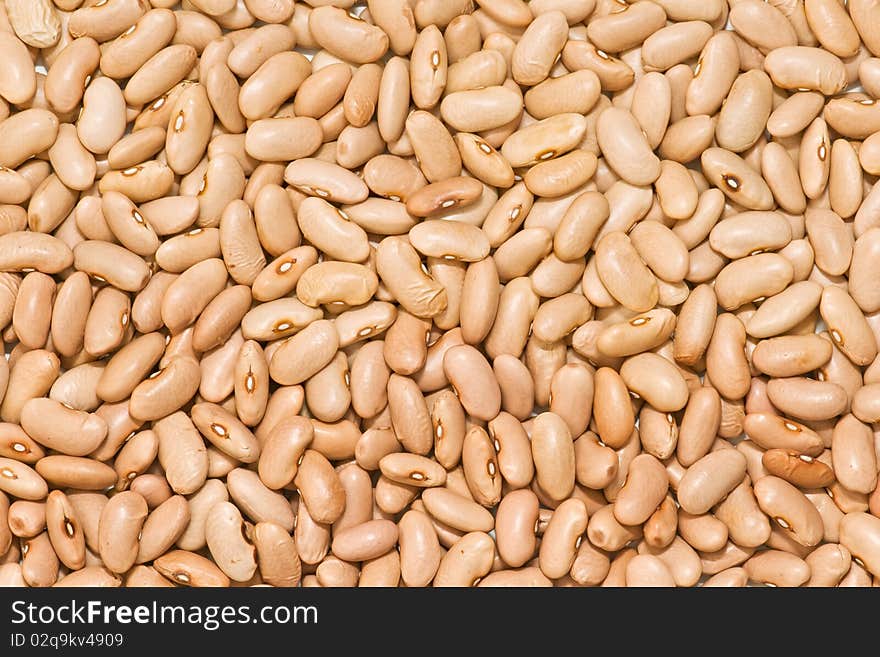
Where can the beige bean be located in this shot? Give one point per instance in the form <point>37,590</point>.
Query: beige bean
<point>785,310</point>
<point>225,535</point>
<point>539,47</point>
<point>18,83</point>
<point>366,541</point>
<point>276,555</point>
<point>480,464</point>
<point>562,538</point>
<point>828,564</point>
<point>163,527</point>
<point>119,529</point>
<point>777,568</point>
<point>544,140</point>
<point>113,264</point>
<point>651,238</point>
<point>420,552</point>
<point>226,432</point>
<point>744,519</point>
<point>256,501</point>
<point>434,148</point>
<point>623,144</point>
<point>399,267</point>
<point>346,36</point>
<point>283,139</point>
<point>803,68</point>
<point>554,455</point>
<point>31,375</point>
<point>864,403</point>
<point>806,398</point>
<point>773,431</point>
<point>788,356</point>
<point>15,443</point>
<point>102,121</point>
<point>656,380</point>
<point>847,326</point>
<point>473,381</point>
<point>65,531</point>
<point>61,428</point>
<point>467,561</point>
<point>457,511</point>
<point>39,564</point>
<point>790,509</point>
<point>751,278</point>
<point>710,479</point>
<point>858,535</point>
<point>733,176</point>
<point>76,472</point>
<point>409,415</point>
<point>319,487</point>
<point>27,519</point>
<point>624,274</point>
<point>643,492</point>
<point>715,73</point>
<point>190,569</point>
<point>25,134</point>
<point>33,251</point>
<point>853,455</point>
<point>413,470</point>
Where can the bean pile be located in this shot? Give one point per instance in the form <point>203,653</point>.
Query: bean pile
<point>496,293</point>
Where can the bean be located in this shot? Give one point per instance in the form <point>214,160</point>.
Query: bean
<point>409,300</point>
<point>656,380</point>
<point>709,480</point>
<point>622,270</point>
<point>119,527</point>
<point>803,68</point>
<point>190,569</point>
<point>853,456</point>
<point>480,464</point>
<point>790,509</point>
<point>858,535</point>
<point>467,563</point>
<point>514,452</point>
<point>319,487</point>
<point>554,455</point>
<point>777,568</point>
<point>538,48</point>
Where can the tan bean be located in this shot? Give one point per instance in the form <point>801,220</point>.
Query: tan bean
<point>710,479</point>
<point>857,534</point>
<point>828,564</point>
<point>319,487</point>
<point>420,552</point>
<point>457,511</point>
<point>799,67</point>
<point>788,507</point>
<point>120,525</point>
<point>847,326</point>
<point>466,562</point>
<point>190,569</point>
<point>777,568</point>
<point>346,36</point>
<point>480,463</point>
<point>623,143</point>
<point>623,272</point>
<point>656,380</point>
<point>853,455</point>
<point>785,310</point>
<point>799,469</point>
<point>39,564</point>
<point>791,355</point>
